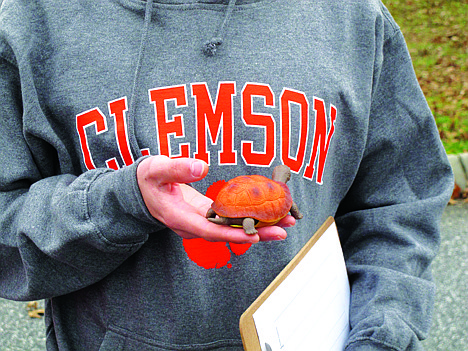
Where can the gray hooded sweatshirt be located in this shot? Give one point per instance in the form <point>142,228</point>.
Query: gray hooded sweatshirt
<point>88,88</point>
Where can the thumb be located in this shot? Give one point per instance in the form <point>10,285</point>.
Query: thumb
<point>180,170</point>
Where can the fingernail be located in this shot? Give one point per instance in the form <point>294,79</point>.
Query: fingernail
<point>197,168</point>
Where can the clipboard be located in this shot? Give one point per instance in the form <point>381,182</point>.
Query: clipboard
<point>247,322</point>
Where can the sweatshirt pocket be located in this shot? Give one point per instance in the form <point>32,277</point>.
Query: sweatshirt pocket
<point>112,342</point>
<point>120,339</point>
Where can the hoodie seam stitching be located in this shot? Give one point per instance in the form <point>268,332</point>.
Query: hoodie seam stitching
<point>126,333</point>
<point>201,6</point>
<point>97,231</point>
<point>373,340</point>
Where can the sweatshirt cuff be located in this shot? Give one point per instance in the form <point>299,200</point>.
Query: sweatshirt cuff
<point>117,209</point>
<point>131,200</point>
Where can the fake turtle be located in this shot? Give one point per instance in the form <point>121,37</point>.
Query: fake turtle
<point>254,201</point>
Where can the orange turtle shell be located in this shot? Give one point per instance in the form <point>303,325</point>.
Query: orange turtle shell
<point>253,196</point>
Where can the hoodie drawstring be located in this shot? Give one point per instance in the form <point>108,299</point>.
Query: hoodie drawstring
<point>210,47</point>
<point>135,148</point>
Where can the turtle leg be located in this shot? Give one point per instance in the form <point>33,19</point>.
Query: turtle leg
<point>219,220</point>
<point>237,222</point>
<point>295,211</point>
<point>249,225</point>
<point>210,213</point>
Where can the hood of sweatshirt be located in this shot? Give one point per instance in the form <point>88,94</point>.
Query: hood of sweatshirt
<point>209,48</point>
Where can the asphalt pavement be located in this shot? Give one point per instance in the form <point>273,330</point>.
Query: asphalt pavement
<point>19,332</point>
<point>450,270</point>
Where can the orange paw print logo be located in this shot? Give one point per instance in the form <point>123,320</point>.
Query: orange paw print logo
<point>208,254</point>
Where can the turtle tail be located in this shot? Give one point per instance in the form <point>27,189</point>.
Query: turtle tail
<point>281,173</point>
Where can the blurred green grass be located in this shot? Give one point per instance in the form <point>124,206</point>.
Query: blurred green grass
<point>437,36</point>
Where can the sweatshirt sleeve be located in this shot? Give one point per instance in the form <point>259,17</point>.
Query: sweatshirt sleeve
<point>59,232</point>
<point>389,220</point>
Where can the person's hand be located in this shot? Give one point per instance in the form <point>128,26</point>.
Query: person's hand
<point>183,209</point>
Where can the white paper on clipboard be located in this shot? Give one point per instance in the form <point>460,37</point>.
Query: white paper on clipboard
<point>309,310</point>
